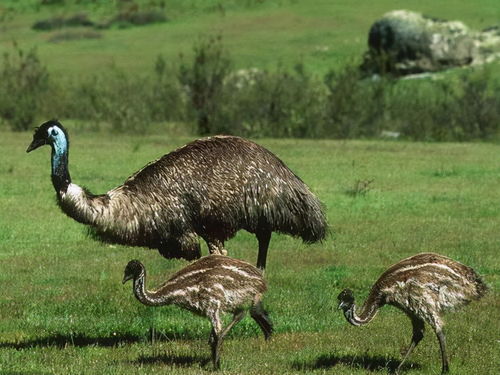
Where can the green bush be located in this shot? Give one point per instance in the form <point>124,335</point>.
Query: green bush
<point>449,109</point>
<point>77,20</point>
<point>130,14</point>
<point>355,107</point>
<point>477,112</point>
<point>167,97</point>
<point>271,104</point>
<point>120,100</point>
<point>206,95</point>
<point>23,83</point>
<point>204,79</point>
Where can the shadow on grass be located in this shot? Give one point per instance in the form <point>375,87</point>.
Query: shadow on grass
<point>369,363</point>
<point>172,360</point>
<point>62,341</point>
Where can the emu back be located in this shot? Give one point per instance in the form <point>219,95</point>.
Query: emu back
<point>212,188</point>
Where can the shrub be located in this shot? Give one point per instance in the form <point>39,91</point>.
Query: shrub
<point>167,97</point>
<point>133,16</point>
<point>277,104</point>
<point>139,18</point>
<point>461,109</point>
<point>23,82</point>
<point>77,20</point>
<point>477,113</point>
<point>355,107</point>
<point>52,2</point>
<point>206,92</point>
<point>204,81</point>
<point>120,100</point>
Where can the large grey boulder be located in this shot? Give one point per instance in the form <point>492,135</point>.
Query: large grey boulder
<point>404,42</point>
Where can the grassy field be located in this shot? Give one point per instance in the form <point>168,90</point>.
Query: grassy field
<point>63,309</point>
<point>306,82</point>
<point>322,34</point>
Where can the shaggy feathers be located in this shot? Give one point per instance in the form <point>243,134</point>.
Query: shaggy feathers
<point>423,286</point>
<point>210,287</point>
<point>211,188</point>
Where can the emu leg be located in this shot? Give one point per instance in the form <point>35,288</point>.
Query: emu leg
<point>442,346</point>
<point>418,334</point>
<point>264,237</point>
<point>216,247</point>
<point>217,336</point>
<point>238,315</point>
<point>214,340</point>
<point>261,317</point>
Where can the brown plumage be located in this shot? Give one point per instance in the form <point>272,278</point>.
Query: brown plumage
<point>210,287</point>
<point>423,286</point>
<point>210,188</point>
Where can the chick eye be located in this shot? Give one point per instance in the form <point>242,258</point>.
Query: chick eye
<point>54,132</point>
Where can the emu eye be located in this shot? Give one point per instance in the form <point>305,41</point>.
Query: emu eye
<point>53,132</point>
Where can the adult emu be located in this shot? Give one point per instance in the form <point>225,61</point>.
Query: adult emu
<point>211,188</point>
<point>423,286</point>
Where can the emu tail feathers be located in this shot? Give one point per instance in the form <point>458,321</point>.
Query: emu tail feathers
<point>481,287</point>
<point>309,219</point>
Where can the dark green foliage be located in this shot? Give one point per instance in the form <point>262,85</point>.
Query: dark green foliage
<point>79,19</point>
<point>23,82</point>
<point>462,109</point>
<point>205,94</point>
<point>124,102</point>
<point>354,107</point>
<point>52,2</point>
<point>204,78</point>
<point>478,107</point>
<point>274,104</point>
<point>121,100</point>
<point>130,14</point>
<point>167,97</point>
<point>138,18</point>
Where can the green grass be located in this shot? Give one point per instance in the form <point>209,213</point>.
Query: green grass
<point>322,33</point>
<point>63,309</point>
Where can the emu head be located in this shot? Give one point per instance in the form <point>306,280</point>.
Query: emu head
<point>47,134</point>
<point>133,270</point>
<point>346,299</point>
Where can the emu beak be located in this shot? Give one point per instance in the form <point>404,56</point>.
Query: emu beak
<point>341,305</point>
<point>125,279</point>
<point>35,144</point>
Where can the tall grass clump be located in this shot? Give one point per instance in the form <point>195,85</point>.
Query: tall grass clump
<point>23,82</point>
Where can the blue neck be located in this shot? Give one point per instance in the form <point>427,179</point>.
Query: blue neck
<point>60,174</point>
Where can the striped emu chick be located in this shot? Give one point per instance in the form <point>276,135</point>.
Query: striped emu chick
<point>210,188</point>
<point>210,287</point>
<point>423,286</point>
